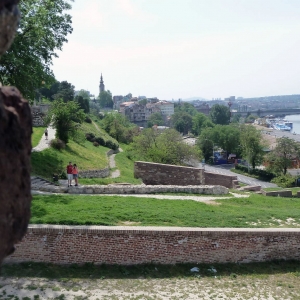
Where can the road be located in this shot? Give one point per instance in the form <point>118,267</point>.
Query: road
<point>225,169</point>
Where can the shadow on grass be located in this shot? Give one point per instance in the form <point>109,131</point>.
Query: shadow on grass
<point>91,271</point>
<point>45,163</point>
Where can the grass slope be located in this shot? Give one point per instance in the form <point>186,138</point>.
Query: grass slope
<point>126,167</point>
<point>86,156</point>
<point>255,211</point>
<point>36,136</point>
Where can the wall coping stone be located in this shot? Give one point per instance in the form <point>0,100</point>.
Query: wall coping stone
<point>145,229</point>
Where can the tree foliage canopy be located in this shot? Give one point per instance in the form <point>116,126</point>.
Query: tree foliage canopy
<point>119,127</point>
<point>65,117</point>
<point>220,114</point>
<point>166,147</point>
<point>65,91</point>
<point>281,157</point>
<point>199,122</point>
<point>43,30</point>
<point>155,119</point>
<point>105,99</point>
<point>226,137</point>
<point>182,121</point>
<point>252,145</point>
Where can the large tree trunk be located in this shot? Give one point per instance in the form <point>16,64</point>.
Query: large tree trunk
<point>15,150</point>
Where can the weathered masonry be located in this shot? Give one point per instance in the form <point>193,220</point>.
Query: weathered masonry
<point>137,245</point>
<point>153,173</point>
<point>163,174</point>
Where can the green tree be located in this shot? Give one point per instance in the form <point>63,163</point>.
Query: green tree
<point>236,118</point>
<point>185,107</point>
<point>143,102</point>
<point>84,94</point>
<point>155,119</point>
<point>252,145</point>
<point>119,127</point>
<point>105,99</point>
<point>226,137</point>
<point>66,118</point>
<point>220,114</point>
<point>199,122</point>
<point>281,157</point>
<point>49,92</point>
<point>65,91</point>
<point>83,103</point>
<point>166,147</point>
<point>43,30</point>
<point>182,122</point>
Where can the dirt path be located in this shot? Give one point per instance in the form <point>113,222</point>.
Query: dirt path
<point>112,165</point>
<point>44,144</point>
<point>264,287</point>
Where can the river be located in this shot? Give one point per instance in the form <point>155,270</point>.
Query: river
<point>296,122</point>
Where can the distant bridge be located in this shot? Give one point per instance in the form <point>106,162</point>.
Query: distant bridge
<point>265,112</point>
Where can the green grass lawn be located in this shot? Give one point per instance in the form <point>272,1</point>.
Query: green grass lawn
<point>36,136</point>
<point>255,211</point>
<point>86,156</point>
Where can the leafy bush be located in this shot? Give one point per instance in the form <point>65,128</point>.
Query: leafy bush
<point>96,144</point>
<point>88,119</point>
<point>57,144</point>
<point>90,137</point>
<point>111,145</point>
<point>267,175</point>
<point>100,140</point>
<point>284,181</point>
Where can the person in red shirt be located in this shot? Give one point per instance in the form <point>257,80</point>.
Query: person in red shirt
<point>70,173</point>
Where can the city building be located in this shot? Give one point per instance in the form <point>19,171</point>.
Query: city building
<point>166,107</point>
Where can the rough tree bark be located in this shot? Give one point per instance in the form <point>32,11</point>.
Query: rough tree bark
<point>15,146</point>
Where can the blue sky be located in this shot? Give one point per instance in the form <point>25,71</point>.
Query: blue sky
<point>174,49</point>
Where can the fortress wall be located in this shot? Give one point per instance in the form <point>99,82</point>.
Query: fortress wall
<point>163,174</point>
<point>136,245</point>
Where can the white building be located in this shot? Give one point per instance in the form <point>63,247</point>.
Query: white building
<point>166,107</point>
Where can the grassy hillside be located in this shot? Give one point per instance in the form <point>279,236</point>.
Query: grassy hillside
<point>86,156</point>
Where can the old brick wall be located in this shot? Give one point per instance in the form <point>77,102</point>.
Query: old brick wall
<point>153,173</point>
<point>137,245</point>
<point>219,179</point>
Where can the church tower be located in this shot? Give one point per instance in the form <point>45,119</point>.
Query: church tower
<point>101,86</point>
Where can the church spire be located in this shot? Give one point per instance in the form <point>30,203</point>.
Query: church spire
<point>101,86</point>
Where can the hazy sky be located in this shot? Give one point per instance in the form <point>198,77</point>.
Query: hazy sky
<point>184,48</point>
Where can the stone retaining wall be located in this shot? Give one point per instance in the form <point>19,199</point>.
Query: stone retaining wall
<point>137,245</point>
<point>220,179</point>
<point>148,189</point>
<point>94,173</point>
<point>153,173</point>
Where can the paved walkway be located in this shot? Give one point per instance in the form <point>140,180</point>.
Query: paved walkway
<point>44,144</point>
<point>112,164</point>
<point>225,169</point>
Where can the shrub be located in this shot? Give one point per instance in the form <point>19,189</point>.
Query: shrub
<point>110,144</point>
<point>284,181</point>
<point>96,144</point>
<point>90,137</point>
<point>63,175</point>
<point>88,119</point>
<point>57,144</point>
<point>267,175</point>
<point>100,141</point>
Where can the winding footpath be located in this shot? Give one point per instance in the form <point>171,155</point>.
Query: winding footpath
<point>44,144</point>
